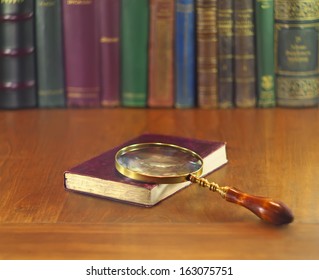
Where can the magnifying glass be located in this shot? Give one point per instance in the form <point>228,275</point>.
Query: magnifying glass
<point>168,164</point>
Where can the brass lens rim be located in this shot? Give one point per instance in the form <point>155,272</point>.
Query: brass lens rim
<point>139,176</point>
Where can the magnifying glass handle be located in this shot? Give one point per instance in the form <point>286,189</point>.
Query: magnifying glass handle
<point>272,211</point>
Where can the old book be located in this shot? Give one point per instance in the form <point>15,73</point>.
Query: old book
<point>225,41</point>
<point>81,53</point>
<point>134,52</point>
<point>17,55</point>
<point>98,176</point>
<point>244,54</point>
<point>206,39</point>
<point>161,54</point>
<point>296,52</point>
<point>109,24</point>
<point>49,54</point>
<point>185,54</point>
<point>265,58</point>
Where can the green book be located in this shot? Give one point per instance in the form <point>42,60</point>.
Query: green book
<point>264,15</point>
<point>134,52</point>
<point>297,52</point>
<point>49,54</point>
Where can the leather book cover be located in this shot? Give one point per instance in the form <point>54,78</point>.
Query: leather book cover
<point>81,53</point>
<point>49,54</point>
<point>134,52</point>
<point>185,54</point>
<point>17,55</point>
<point>98,175</point>
<point>244,54</point>
<point>109,24</point>
<point>297,52</point>
<point>206,39</point>
<point>161,54</point>
<point>265,57</point>
<point>225,20</point>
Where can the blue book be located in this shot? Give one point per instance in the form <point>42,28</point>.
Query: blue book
<point>185,56</point>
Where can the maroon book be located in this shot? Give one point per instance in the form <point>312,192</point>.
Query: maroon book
<point>109,23</point>
<point>98,176</point>
<point>81,53</point>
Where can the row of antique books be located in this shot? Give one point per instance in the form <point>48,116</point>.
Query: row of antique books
<point>159,53</point>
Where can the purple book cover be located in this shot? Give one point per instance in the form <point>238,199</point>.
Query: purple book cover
<point>81,52</point>
<point>109,17</point>
<point>103,166</point>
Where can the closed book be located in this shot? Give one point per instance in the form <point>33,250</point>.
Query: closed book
<point>225,40</point>
<point>185,54</point>
<point>297,52</point>
<point>49,53</point>
<point>81,53</point>
<point>109,24</point>
<point>206,39</point>
<point>265,57</point>
<point>98,176</point>
<point>134,52</point>
<point>17,55</point>
<point>244,54</point>
<point>161,54</point>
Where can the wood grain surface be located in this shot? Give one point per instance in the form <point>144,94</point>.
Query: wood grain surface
<point>271,152</point>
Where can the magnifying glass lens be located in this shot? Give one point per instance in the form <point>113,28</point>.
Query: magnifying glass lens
<point>160,161</point>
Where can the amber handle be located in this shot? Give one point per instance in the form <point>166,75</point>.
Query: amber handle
<point>267,209</point>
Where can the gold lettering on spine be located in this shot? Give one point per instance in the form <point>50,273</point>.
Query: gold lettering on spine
<point>297,9</point>
<point>79,2</point>
<point>109,40</point>
<point>11,1</point>
<point>47,3</point>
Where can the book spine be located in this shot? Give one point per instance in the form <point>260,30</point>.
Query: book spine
<point>134,52</point>
<point>161,54</point>
<point>225,20</point>
<point>49,54</point>
<point>81,53</point>
<point>185,54</point>
<point>109,23</point>
<point>296,52</point>
<point>244,54</point>
<point>17,55</point>
<point>265,58</point>
<point>206,38</point>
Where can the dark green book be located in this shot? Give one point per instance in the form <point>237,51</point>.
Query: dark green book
<point>296,52</point>
<point>264,15</point>
<point>17,55</point>
<point>49,54</point>
<point>134,52</point>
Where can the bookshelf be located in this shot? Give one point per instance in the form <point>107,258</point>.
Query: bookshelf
<point>211,54</point>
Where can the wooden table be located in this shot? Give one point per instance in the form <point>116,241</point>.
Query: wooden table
<point>271,152</point>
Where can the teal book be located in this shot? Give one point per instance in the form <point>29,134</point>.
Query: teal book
<point>265,57</point>
<point>17,55</point>
<point>296,52</point>
<point>185,54</point>
<point>49,54</point>
<point>134,52</point>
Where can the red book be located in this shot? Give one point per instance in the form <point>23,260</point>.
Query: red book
<point>109,22</point>
<point>81,52</point>
<point>98,176</point>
